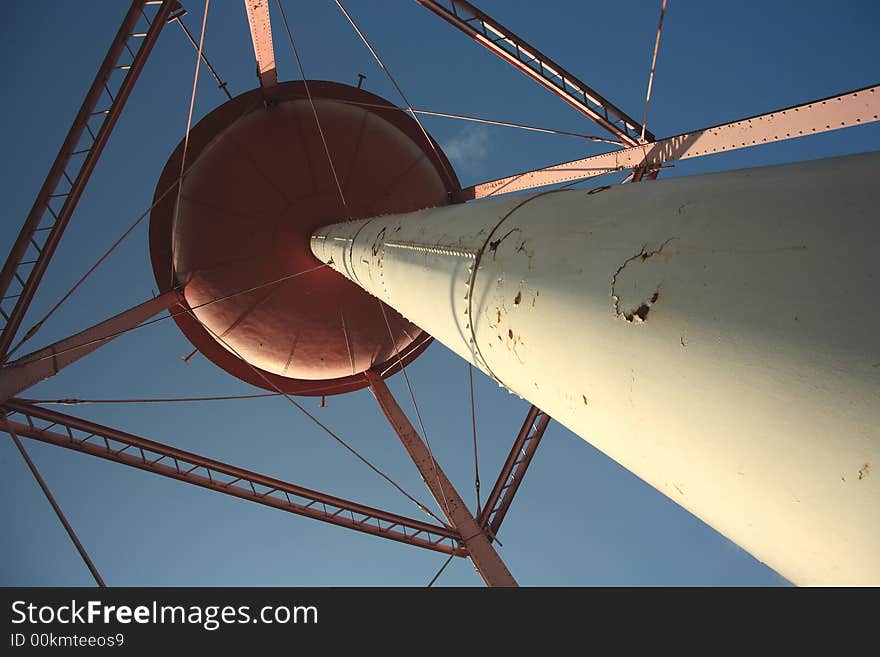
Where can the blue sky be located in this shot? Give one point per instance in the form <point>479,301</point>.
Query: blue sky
<point>579,518</point>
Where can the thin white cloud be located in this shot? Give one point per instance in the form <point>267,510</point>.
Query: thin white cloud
<point>469,148</point>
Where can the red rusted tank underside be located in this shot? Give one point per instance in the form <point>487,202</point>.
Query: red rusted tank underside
<point>257,184</point>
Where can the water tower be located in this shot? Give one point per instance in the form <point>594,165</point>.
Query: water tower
<point>311,239</point>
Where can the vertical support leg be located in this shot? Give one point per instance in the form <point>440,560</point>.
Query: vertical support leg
<point>486,560</point>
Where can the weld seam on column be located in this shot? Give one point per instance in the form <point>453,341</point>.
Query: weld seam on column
<point>476,351</point>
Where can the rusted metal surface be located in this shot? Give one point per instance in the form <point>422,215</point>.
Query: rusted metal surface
<point>28,370</point>
<point>514,469</point>
<point>46,222</point>
<point>833,113</point>
<point>486,560</point>
<point>254,228</point>
<point>261,36</point>
<point>529,60</point>
<point>90,438</point>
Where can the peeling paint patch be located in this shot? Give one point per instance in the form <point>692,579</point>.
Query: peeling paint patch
<point>512,343</point>
<point>639,312</point>
<point>864,471</point>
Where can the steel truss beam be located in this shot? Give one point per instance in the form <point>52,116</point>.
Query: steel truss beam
<point>833,113</point>
<point>484,557</point>
<point>514,470</point>
<point>39,237</point>
<point>543,70</point>
<point>114,445</point>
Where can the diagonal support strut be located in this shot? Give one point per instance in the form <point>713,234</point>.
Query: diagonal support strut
<point>29,370</point>
<point>484,557</point>
<point>44,225</point>
<point>514,469</point>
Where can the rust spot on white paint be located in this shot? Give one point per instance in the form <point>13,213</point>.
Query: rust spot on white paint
<point>493,245</point>
<point>864,471</point>
<point>638,313</point>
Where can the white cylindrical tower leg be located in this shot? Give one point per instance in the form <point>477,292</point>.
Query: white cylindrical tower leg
<point>717,335</point>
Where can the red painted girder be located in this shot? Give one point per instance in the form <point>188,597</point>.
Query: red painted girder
<point>514,469</point>
<point>529,60</point>
<point>833,113</point>
<point>484,557</point>
<point>261,36</point>
<point>45,239</point>
<point>115,445</point>
<point>29,370</point>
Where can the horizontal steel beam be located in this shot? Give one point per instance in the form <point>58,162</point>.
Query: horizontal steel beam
<point>833,113</point>
<point>121,447</point>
